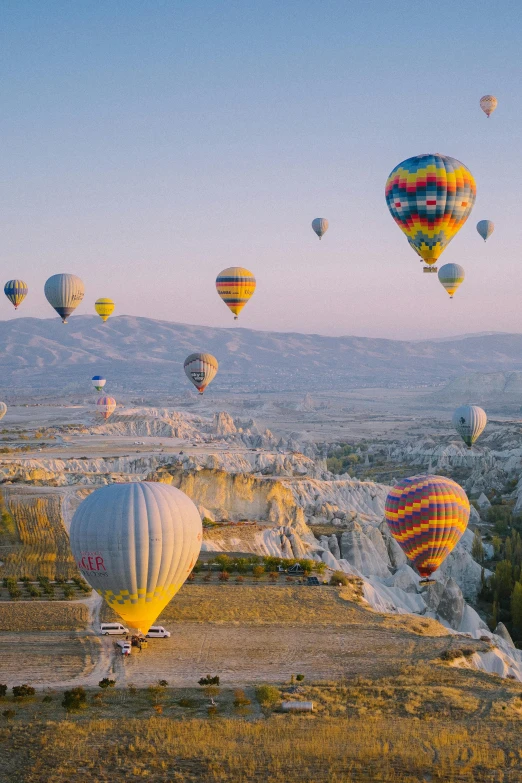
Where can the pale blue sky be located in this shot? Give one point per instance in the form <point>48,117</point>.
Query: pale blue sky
<point>147,145</point>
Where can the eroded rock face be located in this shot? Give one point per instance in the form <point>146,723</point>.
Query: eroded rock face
<point>503,632</point>
<point>361,552</point>
<point>446,599</point>
<point>460,566</point>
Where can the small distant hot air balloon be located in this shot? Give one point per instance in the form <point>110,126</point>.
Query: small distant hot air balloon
<point>320,226</point>
<point>201,369</point>
<point>104,308</point>
<point>106,406</point>
<point>98,381</point>
<point>451,276</point>
<point>16,291</point>
<point>485,228</point>
<point>3,409</point>
<point>136,544</point>
<point>469,421</point>
<point>427,516</point>
<point>64,292</point>
<point>488,104</point>
<point>235,286</point>
<point>430,197</point>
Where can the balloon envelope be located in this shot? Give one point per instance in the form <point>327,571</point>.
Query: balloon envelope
<point>451,276</point>
<point>427,516</point>
<point>16,291</point>
<point>135,544</point>
<point>201,369</point>
<point>235,286</point>
<point>320,226</point>
<point>98,382</point>
<point>488,104</point>
<point>3,409</point>
<point>485,228</point>
<point>106,406</point>
<point>430,197</point>
<point>64,292</point>
<point>469,421</point>
<point>104,308</point>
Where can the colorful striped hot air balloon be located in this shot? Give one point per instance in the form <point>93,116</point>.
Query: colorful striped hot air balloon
<point>469,421</point>
<point>98,381</point>
<point>104,308</point>
<point>430,197</point>
<point>235,286</point>
<point>136,544</point>
<point>485,228</point>
<point>16,291</point>
<point>320,226</point>
<point>451,276</point>
<point>201,369</point>
<point>488,104</point>
<point>427,516</point>
<point>64,292</point>
<point>106,406</point>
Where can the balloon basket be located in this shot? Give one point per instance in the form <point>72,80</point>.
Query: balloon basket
<point>427,581</point>
<point>430,270</point>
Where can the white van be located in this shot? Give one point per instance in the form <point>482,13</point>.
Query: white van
<point>158,632</point>
<point>126,647</point>
<point>112,628</point>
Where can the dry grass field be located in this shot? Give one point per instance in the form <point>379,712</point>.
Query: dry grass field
<point>42,616</point>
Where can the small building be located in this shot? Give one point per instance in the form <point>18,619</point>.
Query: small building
<point>296,569</point>
<point>297,706</point>
<point>312,580</point>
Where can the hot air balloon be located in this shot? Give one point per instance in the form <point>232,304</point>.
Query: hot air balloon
<point>488,104</point>
<point>469,421</point>
<point>104,308</point>
<point>106,406</point>
<point>485,228</point>
<point>136,544</point>
<point>451,276</point>
<point>64,292</point>
<point>16,291</point>
<point>430,197</point>
<point>235,286</point>
<point>3,409</point>
<point>98,382</point>
<point>427,515</point>
<point>201,369</point>
<point>320,226</point>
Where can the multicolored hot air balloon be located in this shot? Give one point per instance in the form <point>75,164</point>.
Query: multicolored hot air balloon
<point>320,226</point>
<point>235,286</point>
<point>16,291</point>
<point>485,228</point>
<point>201,369</point>
<point>451,276</point>
<point>64,292</point>
<point>469,421</point>
<point>3,409</point>
<point>98,381</point>
<point>104,308</point>
<point>106,406</point>
<point>136,544</point>
<point>427,516</point>
<point>430,197</point>
<point>488,104</point>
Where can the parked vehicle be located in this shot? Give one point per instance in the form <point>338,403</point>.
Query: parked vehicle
<point>158,632</point>
<point>126,647</point>
<point>110,629</point>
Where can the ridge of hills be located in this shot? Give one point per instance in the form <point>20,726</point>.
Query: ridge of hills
<point>143,354</point>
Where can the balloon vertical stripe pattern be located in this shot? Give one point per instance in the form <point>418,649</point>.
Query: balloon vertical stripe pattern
<point>450,277</point>
<point>485,228</point>
<point>106,406</point>
<point>201,369</point>
<point>64,292</point>
<point>427,516</point>
<point>16,291</point>
<point>470,421</point>
<point>235,286</point>
<point>430,197</point>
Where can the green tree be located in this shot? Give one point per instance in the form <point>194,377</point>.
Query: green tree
<point>497,545</point>
<point>477,548</point>
<point>516,609</point>
<point>75,699</point>
<point>503,580</point>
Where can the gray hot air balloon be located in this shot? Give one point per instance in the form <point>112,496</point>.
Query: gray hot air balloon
<point>320,226</point>
<point>485,228</point>
<point>136,544</point>
<point>64,292</point>
<point>469,421</point>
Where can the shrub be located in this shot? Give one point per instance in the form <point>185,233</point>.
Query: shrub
<point>44,580</point>
<point>8,714</point>
<point>241,565</point>
<point>273,576</point>
<point>34,592</point>
<point>289,579</point>
<point>3,691</point>
<point>25,579</point>
<point>60,580</point>
<point>208,680</point>
<point>75,699</point>
<point>257,571</point>
<point>46,699</point>
<point>191,576</point>
<point>158,708</point>
<point>163,683</point>
<point>224,576</point>
<point>239,579</point>
<point>207,577</point>
<point>338,578</point>
<point>49,590</point>
<point>451,655</point>
<point>106,683</point>
<point>187,701</point>
<point>68,592</point>
<point>267,695</point>
<point>240,698</point>
<point>224,561</point>
<point>15,593</point>
<point>21,691</point>
<point>299,677</point>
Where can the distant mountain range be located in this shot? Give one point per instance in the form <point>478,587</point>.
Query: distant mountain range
<point>144,355</point>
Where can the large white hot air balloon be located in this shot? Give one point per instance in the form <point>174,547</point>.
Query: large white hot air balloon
<point>201,369</point>
<point>488,104</point>
<point>320,226</point>
<point>136,544</point>
<point>64,292</point>
<point>469,421</point>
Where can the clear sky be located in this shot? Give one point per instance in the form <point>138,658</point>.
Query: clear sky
<point>147,145</point>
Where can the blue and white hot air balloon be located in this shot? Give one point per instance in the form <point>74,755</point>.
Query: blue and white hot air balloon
<point>98,382</point>
<point>485,228</point>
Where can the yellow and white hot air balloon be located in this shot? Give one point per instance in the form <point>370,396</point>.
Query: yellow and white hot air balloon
<point>106,406</point>
<point>488,104</point>
<point>104,308</point>
<point>235,286</point>
<point>64,292</point>
<point>451,276</point>
<point>136,544</point>
<point>201,369</point>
